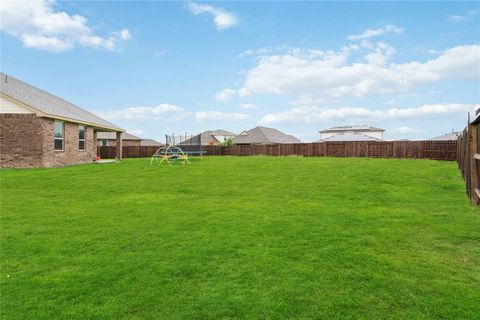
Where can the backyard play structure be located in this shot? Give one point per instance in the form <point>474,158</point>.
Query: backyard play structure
<point>178,148</point>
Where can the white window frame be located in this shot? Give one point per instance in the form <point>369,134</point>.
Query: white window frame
<point>56,138</point>
<point>84,138</point>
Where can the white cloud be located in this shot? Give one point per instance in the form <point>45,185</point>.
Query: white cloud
<point>469,15</point>
<point>51,44</point>
<point>329,74</point>
<point>304,115</point>
<point>160,53</point>
<point>225,95</point>
<point>163,111</point>
<point>221,18</point>
<point>254,52</point>
<point>205,116</point>
<point>38,25</point>
<point>135,132</point>
<point>248,106</point>
<point>370,33</point>
<point>390,102</point>
<point>381,53</point>
<point>125,34</point>
<point>405,130</point>
<point>261,51</point>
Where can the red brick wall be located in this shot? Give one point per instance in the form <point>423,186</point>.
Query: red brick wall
<point>21,138</point>
<point>70,154</point>
<point>28,141</point>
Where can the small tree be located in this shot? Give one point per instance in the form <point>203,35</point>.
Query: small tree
<point>228,142</point>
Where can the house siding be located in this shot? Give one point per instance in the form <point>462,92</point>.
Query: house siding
<point>8,106</point>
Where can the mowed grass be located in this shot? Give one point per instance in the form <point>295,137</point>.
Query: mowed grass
<point>240,238</point>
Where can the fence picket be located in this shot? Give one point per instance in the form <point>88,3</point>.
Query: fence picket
<point>436,150</point>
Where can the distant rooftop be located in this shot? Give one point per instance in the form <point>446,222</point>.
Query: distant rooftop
<point>352,128</point>
<point>349,137</point>
<point>448,136</point>
<point>208,137</point>
<point>150,143</point>
<point>264,135</point>
<point>220,132</point>
<point>113,136</point>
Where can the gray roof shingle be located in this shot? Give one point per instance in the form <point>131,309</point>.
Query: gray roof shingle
<point>448,136</point>
<point>264,135</point>
<point>150,143</point>
<point>220,132</point>
<point>49,104</point>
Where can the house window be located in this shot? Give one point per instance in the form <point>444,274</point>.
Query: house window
<point>59,132</point>
<point>103,143</point>
<point>81,137</point>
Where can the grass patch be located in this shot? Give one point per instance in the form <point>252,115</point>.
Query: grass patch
<point>240,238</point>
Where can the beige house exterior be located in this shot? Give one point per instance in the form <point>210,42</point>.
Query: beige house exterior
<point>38,129</point>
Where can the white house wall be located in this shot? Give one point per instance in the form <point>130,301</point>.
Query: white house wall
<point>223,138</point>
<point>325,135</point>
<point>374,134</point>
<point>8,106</point>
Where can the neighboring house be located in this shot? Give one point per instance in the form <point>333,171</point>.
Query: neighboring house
<point>108,139</point>
<point>352,133</point>
<point>349,137</point>
<point>448,136</point>
<point>150,143</point>
<point>210,137</point>
<point>38,129</point>
<point>264,135</point>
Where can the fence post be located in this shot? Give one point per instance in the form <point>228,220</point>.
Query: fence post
<point>472,146</point>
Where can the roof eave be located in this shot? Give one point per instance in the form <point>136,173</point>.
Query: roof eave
<point>476,119</point>
<point>340,130</point>
<point>47,115</point>
<point>51,116</point>
<point>90,124</point>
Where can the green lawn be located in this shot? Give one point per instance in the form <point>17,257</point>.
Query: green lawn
<point>240,238</point>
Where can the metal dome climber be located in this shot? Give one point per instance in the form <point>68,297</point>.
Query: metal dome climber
<point>169,154</point>
<point>178,148</point>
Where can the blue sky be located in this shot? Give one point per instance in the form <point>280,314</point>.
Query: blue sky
<point>152,67</point>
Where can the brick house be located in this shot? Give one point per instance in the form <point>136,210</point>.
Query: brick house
<point>109,139</point>
<point>38,129</point>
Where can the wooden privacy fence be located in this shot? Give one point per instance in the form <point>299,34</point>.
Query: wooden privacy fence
<point>468,157</point>
<point>435,150</point>
<point>127,152</point>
